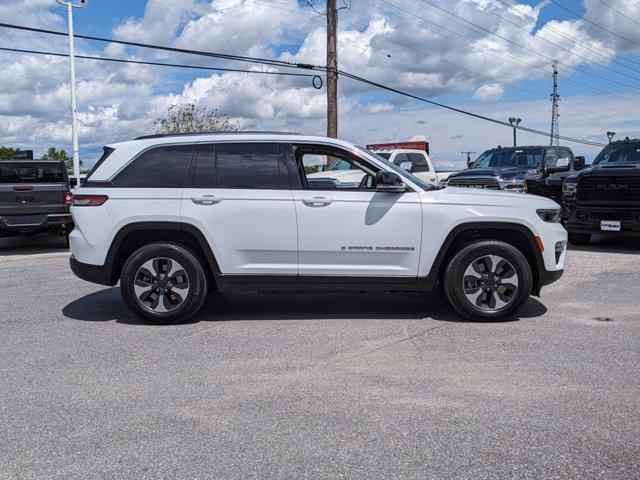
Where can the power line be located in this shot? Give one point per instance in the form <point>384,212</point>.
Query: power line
<point>556,45</point>
<point>526,48</point>
<point>315,67</point>
<point>160,64</point>
<point>619,12</point>
<point>465,112</point>
<point>239,58</point>
<point>577,15</point>
<point>529,66</point>
<point>581,43</point>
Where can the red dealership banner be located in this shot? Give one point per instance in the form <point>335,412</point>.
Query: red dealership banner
<point>400,145</point>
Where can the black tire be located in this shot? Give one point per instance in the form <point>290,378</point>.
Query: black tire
<point>164,255</point>
<point>515,294</point>
<point>579,238</point>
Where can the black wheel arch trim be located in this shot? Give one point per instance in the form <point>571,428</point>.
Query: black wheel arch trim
<point>434,277</point>
<point>112,263</point>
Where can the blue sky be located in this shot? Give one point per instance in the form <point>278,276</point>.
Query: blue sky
<point>398,42</point>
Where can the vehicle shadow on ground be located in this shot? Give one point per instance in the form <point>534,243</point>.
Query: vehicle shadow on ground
<point>602,244</point>
<point>31,245</point>
<point>107,305</point>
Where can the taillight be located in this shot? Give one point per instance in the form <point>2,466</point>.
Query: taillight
<point>67,198</point>
<point>89,200</point>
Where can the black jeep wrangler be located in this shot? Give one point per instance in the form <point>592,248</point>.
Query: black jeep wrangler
<point>605,198</point>
<point>34,197</point>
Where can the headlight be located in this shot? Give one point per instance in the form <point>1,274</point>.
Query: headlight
<point>569,190</point>
<point>551,215</point>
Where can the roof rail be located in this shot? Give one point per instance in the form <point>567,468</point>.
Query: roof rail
<point>235,132</point>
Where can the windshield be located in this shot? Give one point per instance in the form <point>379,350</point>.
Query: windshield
<point>397,169</point>
<point>619,153</point>
<point>510,157</point>
<point>32,172</point>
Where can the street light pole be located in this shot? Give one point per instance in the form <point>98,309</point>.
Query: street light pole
<point>72,73</point>
<point>610,136</point>
<point>514,121</point>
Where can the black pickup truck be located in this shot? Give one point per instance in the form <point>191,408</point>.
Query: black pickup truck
<point>34,197</point>
<point>605,197</point>
<point>539,169</point>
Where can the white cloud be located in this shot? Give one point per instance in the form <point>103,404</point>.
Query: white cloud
<point>489,91</point>
<point>118,101</point>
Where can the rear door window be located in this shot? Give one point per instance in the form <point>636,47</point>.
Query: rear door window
<point>159,167</point>
<point>250,165</point>
<point>32,172</point>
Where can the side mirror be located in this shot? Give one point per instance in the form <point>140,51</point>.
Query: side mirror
<point>407,166</point>
<point>389,182</point>
<point>562,165</point>
<point>73,182</point>
<point>579,163</point>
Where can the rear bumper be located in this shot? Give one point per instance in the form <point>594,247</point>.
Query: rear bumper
<point>35,223</point>
<point>101,274</point>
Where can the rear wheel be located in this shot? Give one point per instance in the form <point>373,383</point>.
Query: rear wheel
<point>579,238</point>
<point>164,283</point>
<point>488,280</point>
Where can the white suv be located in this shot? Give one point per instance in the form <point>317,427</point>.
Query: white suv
<point>176,216</point>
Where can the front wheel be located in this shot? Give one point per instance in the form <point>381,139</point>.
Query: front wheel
<point>488,280</point>
<point>164,283</point>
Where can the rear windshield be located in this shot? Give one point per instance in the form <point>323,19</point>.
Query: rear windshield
<point>510,157</point>
<point>31,172</point>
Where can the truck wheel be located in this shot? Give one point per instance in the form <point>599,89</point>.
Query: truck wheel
<point>579,238</point>
<point>488,280</point>
<point>164,283</point>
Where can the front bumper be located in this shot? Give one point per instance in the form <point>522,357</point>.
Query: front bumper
<point>586,219</point>
<point>16,224</point>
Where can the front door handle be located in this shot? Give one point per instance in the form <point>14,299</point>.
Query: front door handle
<point>317,201</point>
<point>206,200</point>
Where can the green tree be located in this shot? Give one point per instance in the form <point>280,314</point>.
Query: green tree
<point>61,156</point>
<point>7,152</point>
<point>191,119</point>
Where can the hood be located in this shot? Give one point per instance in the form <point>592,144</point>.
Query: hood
<point>613,170</point>
<point>499,198</point>
<point>506,173</point>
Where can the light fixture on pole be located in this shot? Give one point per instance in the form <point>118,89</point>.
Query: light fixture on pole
<point>72,73</point>
<point>514,121</point>
<point>610,136</point>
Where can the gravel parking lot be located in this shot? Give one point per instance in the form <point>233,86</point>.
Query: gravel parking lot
<point>317,386</point>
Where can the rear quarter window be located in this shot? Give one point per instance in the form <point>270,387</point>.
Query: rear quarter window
<point>32,172</point>
<point>158,167</point>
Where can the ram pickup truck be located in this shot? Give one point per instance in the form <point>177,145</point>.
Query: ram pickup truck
<point>173,217</point>
<point>605,197</point>
<point>540,170</point>
<point>34,197</point>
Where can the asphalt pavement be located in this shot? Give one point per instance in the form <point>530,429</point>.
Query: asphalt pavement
<point>319,386</point>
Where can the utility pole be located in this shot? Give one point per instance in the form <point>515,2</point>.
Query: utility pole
<point>72,73</point>
<point>332,69</point>
<point>515,121</point>
<point>468,154</point>
<point>555,114</point>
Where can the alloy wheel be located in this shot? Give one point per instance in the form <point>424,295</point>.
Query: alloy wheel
<point>490,282</point>
<point>161,285</point>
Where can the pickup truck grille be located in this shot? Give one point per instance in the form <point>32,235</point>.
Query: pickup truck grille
<point>609,189</point>
<point>470,182</point>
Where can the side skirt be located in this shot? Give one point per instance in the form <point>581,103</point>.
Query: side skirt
<point>293,283</point>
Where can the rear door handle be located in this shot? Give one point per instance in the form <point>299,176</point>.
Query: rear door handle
<point>206,200</point>
<point>317,201</point>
